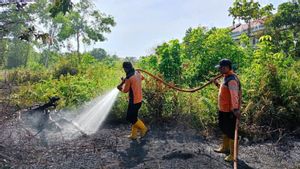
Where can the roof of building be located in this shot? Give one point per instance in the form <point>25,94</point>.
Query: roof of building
<point>244,27</point>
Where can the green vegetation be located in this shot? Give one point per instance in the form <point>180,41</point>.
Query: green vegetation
<point>73,84</point>
<point>249,11</point>
<point>270,72</point>
<point>33,60</point>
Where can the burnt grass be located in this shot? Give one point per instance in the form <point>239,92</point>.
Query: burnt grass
<point>165,146</point>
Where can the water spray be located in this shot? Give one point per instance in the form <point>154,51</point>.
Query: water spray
<point>92,118</point>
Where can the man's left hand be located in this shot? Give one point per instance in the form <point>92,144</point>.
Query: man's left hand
<point>237,113</point>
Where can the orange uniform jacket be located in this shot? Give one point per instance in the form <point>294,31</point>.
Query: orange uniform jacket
<point>229,93</point>
<point>133,85</point>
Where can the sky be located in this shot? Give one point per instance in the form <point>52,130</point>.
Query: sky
<point>144,24</point>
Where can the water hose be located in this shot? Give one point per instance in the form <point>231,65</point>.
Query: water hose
<point>177,88</point>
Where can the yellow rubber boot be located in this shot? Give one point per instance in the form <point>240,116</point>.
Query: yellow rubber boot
<point>133,134</point>
<point>229,158</point>
<point>224,148</point>
<point>142,127</point>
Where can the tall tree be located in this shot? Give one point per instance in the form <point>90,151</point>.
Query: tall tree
<point>217,44</point>
<point>16,23</point>
<point>84,23</point>
<point>50,44</point>
<point>248,11</point>
<point>170,60</point>
<point>286,25</point>
<point>20,20</point>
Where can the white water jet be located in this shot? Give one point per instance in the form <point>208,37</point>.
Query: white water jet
<point>91,118</point>
<point>87,120</point>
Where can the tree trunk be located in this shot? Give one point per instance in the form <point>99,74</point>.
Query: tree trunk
<point>3,45</point>
<point>51,32</point>
<point>47,56</point>
<point>78,47</point>
<point>249,28</point>
<point>296,43</point>
<point>28,54</point>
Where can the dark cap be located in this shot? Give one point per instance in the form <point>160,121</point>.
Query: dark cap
<point>127,65</point>
<point>224,62</point>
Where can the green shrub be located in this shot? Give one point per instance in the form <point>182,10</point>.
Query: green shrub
<point>92,80</point>
<point>65,67</point>
<point>271,89</point>
<point>26,75</point>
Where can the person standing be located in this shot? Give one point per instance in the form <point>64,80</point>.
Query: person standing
<point>229,104</point>
<point>132,84</point>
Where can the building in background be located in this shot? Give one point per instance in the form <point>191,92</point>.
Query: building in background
<point>256,30</point>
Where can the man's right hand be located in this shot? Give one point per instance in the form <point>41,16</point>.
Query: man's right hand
<point>216,83</point>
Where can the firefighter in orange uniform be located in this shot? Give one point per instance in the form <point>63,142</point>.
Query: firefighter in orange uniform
<point>229,102</point>
<point>132,84</point>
